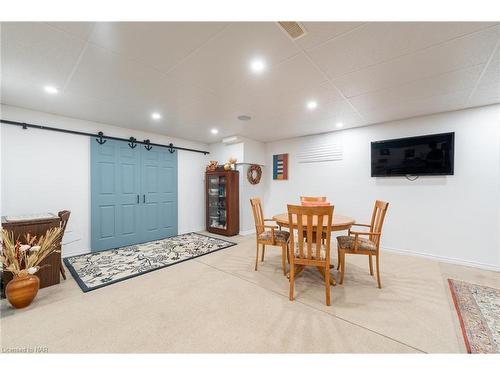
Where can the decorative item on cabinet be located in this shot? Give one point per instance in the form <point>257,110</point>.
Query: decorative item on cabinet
<point>222,202</point>
<point>212,166</point>
<point>232,162</point>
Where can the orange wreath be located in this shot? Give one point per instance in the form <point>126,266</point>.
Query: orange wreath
<point>254,173</point>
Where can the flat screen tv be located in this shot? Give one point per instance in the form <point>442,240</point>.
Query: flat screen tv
<point>427,155</point>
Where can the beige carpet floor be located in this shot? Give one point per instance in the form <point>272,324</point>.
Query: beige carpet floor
<point>218,303</point>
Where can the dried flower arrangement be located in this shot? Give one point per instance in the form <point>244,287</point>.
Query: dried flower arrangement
<point>24,259</point>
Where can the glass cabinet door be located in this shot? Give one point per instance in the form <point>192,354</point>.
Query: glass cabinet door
<point>217,210</point>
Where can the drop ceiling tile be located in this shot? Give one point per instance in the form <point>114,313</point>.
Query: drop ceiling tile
<point>288,85</point>
<point>381,41</point>
<point>336,111</point>
<point>105,75</point>
<point>450,82</point>
<point>485,95</point>
<point>290,76</point>
<point>81,30</point>
<point>225,59</point>
<point>38,52</point>
<point>417,107</point>
<point>161,45</point>
<point>118,112</point>
<point>320,32</point>
<point>24,93</point>
<point>460,53</point>
<point>492,72</point>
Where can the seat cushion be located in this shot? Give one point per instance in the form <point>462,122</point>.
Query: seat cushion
<point>280,236</point>
<point>347,243</point>
<point>322,250</point>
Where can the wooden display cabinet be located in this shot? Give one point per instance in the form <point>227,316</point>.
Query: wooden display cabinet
<point>222,202</point>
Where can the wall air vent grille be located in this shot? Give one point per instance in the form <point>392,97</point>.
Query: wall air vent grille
<point>294,29</point>
<point>318,151</point>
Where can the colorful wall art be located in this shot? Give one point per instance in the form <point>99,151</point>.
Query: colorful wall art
<point>280,167</point>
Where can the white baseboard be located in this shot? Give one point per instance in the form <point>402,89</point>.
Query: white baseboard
<point>444,259</point>
<point>246,232</point>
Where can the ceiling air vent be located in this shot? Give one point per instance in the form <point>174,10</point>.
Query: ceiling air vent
<point>294,29</point>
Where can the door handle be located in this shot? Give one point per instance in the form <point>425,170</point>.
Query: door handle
<point>144,198</point>
<point>137,198</point>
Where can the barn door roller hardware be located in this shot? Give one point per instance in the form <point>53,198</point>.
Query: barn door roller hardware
<point>147,144</point>
<point>133,142</point>
<point>101,138</point>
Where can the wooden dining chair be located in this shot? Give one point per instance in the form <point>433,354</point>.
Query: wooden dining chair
<point>312,199</point>
<point>64,218</point>
<point>268,234</point>
<point>353,243</point>
<point>308,249</point>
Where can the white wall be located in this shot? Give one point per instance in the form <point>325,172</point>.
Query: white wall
<point>48,171</point>
<point>455,218</point>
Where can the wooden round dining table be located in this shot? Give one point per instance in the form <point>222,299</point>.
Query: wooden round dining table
<point>340,222</point>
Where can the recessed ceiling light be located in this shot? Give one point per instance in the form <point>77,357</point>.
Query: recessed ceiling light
<point>257,65</point>
<point>312,104</point>
<point>244,118</point>
<point>51,90</point>
<point>155,116</point>
<point>214,131</point>
<point>339,125</point>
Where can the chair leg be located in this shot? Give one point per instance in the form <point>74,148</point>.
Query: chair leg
<point>327,284</point>
<point>263,251</point>
<point>283,258</point>
<point>292,280</point>
<point>63,271</point>
<point>257,257</point>
<point>338,259</point>
<point>371,264</point>
<point>288,253</point>
<point>342,266</point>
<point>378,272</point>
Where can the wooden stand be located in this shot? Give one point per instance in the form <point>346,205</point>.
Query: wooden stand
<point>222,202</point>
<point>49,274</point>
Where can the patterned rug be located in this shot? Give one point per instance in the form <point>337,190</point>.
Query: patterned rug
<point>478,309</point>
<point>99,269</point>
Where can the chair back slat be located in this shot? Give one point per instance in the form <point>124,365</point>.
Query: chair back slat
<point>310,221</point>
<point>64,218</point>
<point>309,236</point>
<point>319,237</point>
<point>300,229</point>
<point>258,215</point>
<point>378,217</point>
<point>313,199</point>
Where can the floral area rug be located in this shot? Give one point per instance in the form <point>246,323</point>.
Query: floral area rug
<point>99,269</point>
<point>478,309</point>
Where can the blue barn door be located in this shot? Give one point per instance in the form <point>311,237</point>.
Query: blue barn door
<point>133,194</point>
<point>159,193</point>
